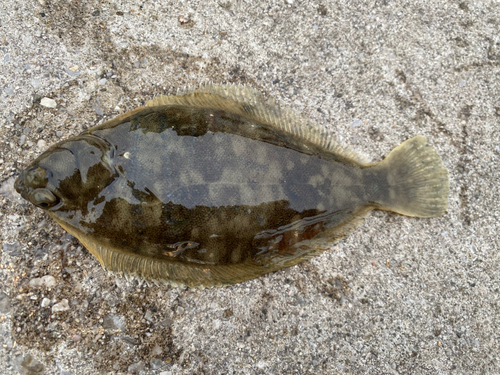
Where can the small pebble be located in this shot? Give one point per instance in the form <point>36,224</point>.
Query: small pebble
<point>45,302</point>
<point>102,82</point>
<point>261,365</point>
<point>47,280</point>
<point>49,103</point>
<point>156,363</point>
<point>11,247</point>
<point>98,110</point>
<point>136,368</point>
<point>148,316</point>
<point>5,304</point>
<point>114,322</point>
<point>157,350</point>
<point>41,144</point>
<point>72,73</point>
<point>61,306</point>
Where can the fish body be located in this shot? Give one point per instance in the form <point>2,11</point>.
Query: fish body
<point>219,185</point>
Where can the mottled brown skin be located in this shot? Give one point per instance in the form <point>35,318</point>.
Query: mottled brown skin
<point>200,186</point>
<point>201,189</point>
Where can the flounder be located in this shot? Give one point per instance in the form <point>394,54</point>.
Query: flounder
<point>219,185</point>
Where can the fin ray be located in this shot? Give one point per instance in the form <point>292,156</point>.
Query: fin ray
<point>417,179</point>
<point>251,104</point>
<point>196,275</point>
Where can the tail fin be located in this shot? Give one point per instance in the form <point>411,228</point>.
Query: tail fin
<point>417,180</point>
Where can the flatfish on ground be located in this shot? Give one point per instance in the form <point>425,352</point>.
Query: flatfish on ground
<point>219,185</point>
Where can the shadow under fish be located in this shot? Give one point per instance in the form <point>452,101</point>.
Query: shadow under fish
<point>219,185</point>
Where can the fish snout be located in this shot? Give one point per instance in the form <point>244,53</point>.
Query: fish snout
<point>32,185</point>
<point>30,180</point>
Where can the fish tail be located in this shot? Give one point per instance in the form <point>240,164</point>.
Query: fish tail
<point>416,180</point>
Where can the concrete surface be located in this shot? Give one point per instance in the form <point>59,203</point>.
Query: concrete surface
<point>398,296</point>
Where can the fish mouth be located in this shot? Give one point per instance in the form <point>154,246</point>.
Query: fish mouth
<point>31,184</point>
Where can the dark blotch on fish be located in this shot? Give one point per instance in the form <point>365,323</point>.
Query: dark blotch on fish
<point>219,185</point>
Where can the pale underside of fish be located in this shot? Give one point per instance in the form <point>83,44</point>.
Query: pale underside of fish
<point>219,185</point>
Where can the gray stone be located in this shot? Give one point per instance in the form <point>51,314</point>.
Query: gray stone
<point>114,323</point>
<point>11,247</point>
<point>72,73</point>
<point>136,368</point>
<point>47,281</point>
<point>156,363</point>
<point>157,350</point>
<point>148,316</point>
<point>5,304</point>
<point>98,110</point>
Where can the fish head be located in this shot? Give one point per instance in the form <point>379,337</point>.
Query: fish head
<point>68,175</point>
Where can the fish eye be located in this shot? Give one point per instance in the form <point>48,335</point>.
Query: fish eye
<point>43,198</point>
<point>36,176</point>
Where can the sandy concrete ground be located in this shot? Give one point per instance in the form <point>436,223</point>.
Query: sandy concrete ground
<point>399,295</point>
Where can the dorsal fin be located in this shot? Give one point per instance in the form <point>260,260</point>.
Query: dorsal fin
<point>251,104</point>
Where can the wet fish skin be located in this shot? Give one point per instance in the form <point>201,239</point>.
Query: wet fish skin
<point>216,187</point>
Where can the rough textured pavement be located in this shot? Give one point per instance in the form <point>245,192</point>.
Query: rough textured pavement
<point>399,295</point>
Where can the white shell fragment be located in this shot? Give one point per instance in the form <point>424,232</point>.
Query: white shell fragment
<point>48,102</point>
